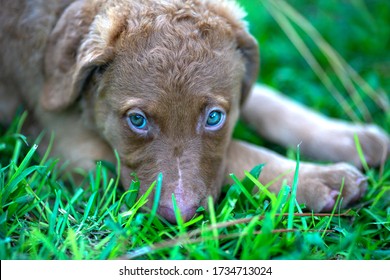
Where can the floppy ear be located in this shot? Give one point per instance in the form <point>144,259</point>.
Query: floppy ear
<point>70,57</point>
<point>250,52</point>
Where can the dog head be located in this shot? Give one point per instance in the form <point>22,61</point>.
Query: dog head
<point>162,83</point>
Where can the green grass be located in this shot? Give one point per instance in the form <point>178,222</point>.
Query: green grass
<point>46,215</point>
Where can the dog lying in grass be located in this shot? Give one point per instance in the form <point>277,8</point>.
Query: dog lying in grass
<point>163,83</point>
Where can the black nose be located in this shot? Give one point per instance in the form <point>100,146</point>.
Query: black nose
<point>169,214</point>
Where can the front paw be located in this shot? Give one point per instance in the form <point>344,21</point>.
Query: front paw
<point>319,186</point>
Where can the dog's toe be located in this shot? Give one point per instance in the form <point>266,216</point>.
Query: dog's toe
<point>331,200</point>
<point>321,185</point>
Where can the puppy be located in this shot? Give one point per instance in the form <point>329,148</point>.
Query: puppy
<point>163,83</point>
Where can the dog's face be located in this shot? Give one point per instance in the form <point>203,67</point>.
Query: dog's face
<point>164,90</point>
<point>172,111</point>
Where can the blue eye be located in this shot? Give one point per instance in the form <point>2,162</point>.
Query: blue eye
<point>215,119</point>
<point>137,121</point>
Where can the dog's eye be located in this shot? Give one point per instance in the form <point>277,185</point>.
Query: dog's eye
<point>137,121</point>
<point>215,119</point>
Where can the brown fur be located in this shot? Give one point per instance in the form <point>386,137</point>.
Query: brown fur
<point>82,66</point>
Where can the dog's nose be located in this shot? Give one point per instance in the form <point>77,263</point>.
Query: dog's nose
<point>169,214</point>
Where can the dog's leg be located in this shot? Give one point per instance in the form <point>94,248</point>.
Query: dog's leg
<point>318,185</point>
<point>8,105</point>
<point>75,143</point>
<point>287,123</point>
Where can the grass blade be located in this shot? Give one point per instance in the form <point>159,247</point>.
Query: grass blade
<point>293,196</point>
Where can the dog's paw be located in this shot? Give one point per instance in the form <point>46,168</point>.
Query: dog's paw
<point>319,186</point>
<point>336,142</point>
<point>375,144</point>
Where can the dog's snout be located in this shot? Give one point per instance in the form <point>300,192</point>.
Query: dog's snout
<point>169,214</point>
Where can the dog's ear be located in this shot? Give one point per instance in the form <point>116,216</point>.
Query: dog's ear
<point>71,56</point>
<point>250,52</point>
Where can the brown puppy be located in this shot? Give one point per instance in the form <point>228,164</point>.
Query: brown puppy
<point>162,82</point>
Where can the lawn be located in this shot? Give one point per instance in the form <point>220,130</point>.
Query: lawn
<point>342,71</point>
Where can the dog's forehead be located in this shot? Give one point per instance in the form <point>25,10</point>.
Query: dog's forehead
<point>176,80</point>
<point>182,69</point>
<point>177,49</point>
<point>140,16</point>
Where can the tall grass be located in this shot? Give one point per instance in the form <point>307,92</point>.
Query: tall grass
<point>351,81</point>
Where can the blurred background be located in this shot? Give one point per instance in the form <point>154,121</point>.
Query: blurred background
<point>350,55</point>
<point>358,30</point>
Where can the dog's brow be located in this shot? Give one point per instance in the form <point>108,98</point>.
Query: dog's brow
<point>220,100</point>
<point>130,103</point>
